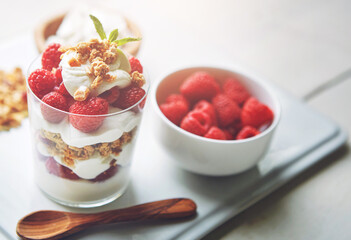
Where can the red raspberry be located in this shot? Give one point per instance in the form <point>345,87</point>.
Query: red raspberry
<point>237,125</point>
<point>58,75</point>
<point>234,89</point>
<point>199,86</point>
<point>107,174</point>
<point>228,135</point>
<point>70,100</point>
<point>256,114</point>
<point>177,98</point>
<point>215,133</point>
<point>51,56</point>
<point>247,132</point>
<point>129,96</point>
<point>110,95</point>
<point>41,82</point>
<point>57,101</point>
<point>58,170</point>
<point>62,90</point>
<point>196,122</point>
<point>208,108</point>
<point>227,110</point>
<point>135,65</point>
<point>91,106</point>
<point>174,111</point>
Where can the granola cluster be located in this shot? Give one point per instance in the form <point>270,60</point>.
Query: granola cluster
<point>57,147</point>
<point>13,99</point>
<point>138,79</point>
<point>100,54</point>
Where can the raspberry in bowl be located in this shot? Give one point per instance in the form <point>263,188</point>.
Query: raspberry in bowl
<point>85,105</point>
<point>214,121</point>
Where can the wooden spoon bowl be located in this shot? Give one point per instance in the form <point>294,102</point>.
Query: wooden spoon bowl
<point>48,28</point>
<point>49,224</point>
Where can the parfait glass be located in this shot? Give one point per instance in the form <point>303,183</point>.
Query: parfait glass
<point>81,169</point>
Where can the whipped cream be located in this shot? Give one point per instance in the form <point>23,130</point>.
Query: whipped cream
<point>77,26</point>
<point>76,77</point>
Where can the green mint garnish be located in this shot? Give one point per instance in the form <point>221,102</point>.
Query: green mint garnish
<point>123,41</point>
<point>98,27</point>
<point>113,35</point>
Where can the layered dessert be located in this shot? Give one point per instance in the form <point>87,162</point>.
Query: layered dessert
<point>85,105</point>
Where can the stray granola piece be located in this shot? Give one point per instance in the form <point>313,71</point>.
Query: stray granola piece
<point>81,94</point>
<point>13,99</point>
<point>138,79</point>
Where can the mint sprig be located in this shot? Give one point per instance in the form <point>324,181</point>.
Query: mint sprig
<point>113,35</point>
<point>98,27</point>
<point>123,41</point>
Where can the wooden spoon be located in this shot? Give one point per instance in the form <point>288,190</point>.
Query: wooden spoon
<point>49,224</point>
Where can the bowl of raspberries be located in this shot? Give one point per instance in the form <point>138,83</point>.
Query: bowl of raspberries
<point>214,121</point>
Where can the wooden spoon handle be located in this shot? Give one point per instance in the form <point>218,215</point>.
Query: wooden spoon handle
<point>164,209</point>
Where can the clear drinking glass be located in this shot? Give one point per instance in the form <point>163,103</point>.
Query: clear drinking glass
<point>82,169</point>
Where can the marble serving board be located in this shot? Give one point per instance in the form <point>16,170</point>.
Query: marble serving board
<point>301,140</point>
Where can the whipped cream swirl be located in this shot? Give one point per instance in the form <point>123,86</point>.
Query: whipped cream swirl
<point>76,77</point>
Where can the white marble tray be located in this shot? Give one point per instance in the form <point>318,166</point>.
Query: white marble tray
<point>301,140</point>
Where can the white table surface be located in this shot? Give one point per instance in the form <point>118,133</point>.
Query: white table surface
<point>299,45</point>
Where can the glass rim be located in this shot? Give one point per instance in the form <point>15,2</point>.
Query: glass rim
<point>76,114</point>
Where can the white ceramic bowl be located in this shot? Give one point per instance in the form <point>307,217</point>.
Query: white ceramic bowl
<point>208,156</point>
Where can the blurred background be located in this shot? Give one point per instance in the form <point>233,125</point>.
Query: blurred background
<point>302,46</point>
<point>296,44</point>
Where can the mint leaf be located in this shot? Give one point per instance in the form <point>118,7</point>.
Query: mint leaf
<point>98,27</point>
<point>123,41</point>
<point>113,35</point>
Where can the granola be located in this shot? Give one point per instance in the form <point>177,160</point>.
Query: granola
<point>138,79</point>
<point>13,99</point>
<point>57,147</point>
<point>100,54</point>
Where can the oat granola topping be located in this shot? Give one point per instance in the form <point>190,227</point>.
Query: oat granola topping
<point>13,99</point>
<point>57,147</point>
<point>100,54</point>
<point>138,78</point>
<point>81,94</point>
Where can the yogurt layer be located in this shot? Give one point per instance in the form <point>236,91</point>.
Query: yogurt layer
<point>76,77</point>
